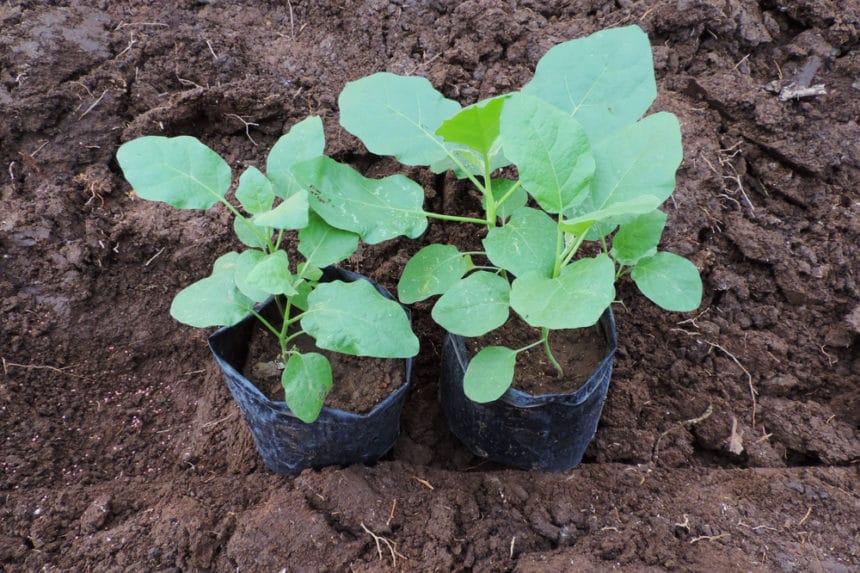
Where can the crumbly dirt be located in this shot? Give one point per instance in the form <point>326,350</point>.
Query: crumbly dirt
<point>729,440</point>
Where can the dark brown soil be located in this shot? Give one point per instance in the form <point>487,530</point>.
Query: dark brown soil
<point>359,383</point>
<point>122,450</point>
<point>578,352</point>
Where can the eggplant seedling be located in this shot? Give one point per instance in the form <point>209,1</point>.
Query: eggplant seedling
<point>351,318</point>
<point>590,169</point>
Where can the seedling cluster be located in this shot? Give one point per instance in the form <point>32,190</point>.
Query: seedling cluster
<point>589,169</point>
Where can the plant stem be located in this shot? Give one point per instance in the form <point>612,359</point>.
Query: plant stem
<point>548,351</point>
<point>489,200</point>
<point>266,323</point>
<point>454,218</point>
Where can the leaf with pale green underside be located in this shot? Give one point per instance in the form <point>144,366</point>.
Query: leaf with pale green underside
<point>291,213</point>
<point>527,243</point>
<point>489,374</point>
<point>255,191</point>
<point>575,299</point>
<point>431,271</point>
<point>354,318</point>
<point>245,263</point>
<point>636,161</point>
<point>550,149</point>
<point>249,233</point>
<point>476,126</point>
<point>624,210</point>
<point>638,238</point>
<point>474,305</point>
<point>513,201</point>
<point>396,115</point>
<point>670,281</point>
<point>605,81</point>
<point>323,245</point>
<point>375,209</point>
<point>215,300</point>
<point>272,275</point>
<point>306,140</point>
<point>306,380</point>
<point>179,171</point>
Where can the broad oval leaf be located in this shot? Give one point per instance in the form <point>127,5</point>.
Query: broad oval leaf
<point>396,115</point>
<point>304,141</point>
<point>575,299</point>
<point>307,381</point>
<point>621,211</point>
<point>354,318</point>
<point>550,149</point>
<point>180,171</point>
<point>215,300</point>
<point>476,126</point>
<point>670,281</point>
<point>249,233</point>
<point>527,243</point>
<point>513,200</point>
<point>489,374</point>
<point>245,263</point>
<point>605,81</point>
<point>638,160</point>
<point>474,306</point>
<point>272,275</point>
<point>323,245</point>
<point>375,209</point>
<point>292,213</point>
<point>638,238</point>
<point>431,271</point>
<point>255,191</point>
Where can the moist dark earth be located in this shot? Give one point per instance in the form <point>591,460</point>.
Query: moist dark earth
<point>729,439</point>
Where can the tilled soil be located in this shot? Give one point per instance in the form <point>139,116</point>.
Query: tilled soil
<point>729,440</point>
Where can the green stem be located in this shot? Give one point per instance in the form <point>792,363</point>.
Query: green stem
<point>559,249</point>
<point>236,213</point>
<point>266,323</point>
<point>532,345</point>
<point>454,218</point>
<point>489,200</point>
<point>571,249</point>
<point>548,351</point>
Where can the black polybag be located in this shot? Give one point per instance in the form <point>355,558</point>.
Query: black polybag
<point>288,445</point>
<point>548,432</point>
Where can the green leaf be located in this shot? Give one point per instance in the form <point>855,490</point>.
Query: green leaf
<point>249,233</point>
<point>396,115</point>
<point>376,209</point>
<point>474,306</point>
<point>430,271</point>
<point>515,200</point>
<point>292,213</point>
<point>323,245</point>
<point>636,161</point>
<point>245,263</point>
<point>623,210</point>
<point>353,318</point>
<point>489,374</point>
<point>476,126</point>
<point>213,301</point>
<point>306,380</point>
<point>550,149</point>
<point>255,191</point>
<point>575,299</point>
<point>272,275</point>
<point>670,281</point>
<point>527,243</point>
<point>638,238</point>
<point>306,140</point>
<point>605,81</point>
<point>180,171</point>
<point>303,290</point>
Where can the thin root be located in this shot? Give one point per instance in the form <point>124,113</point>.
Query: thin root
<point>392,548</point>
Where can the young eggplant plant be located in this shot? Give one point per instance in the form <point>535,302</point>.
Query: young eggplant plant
<point>590,169</point>
<point>351,318</point>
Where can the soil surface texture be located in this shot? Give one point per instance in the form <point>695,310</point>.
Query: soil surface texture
<point>729,440</point>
